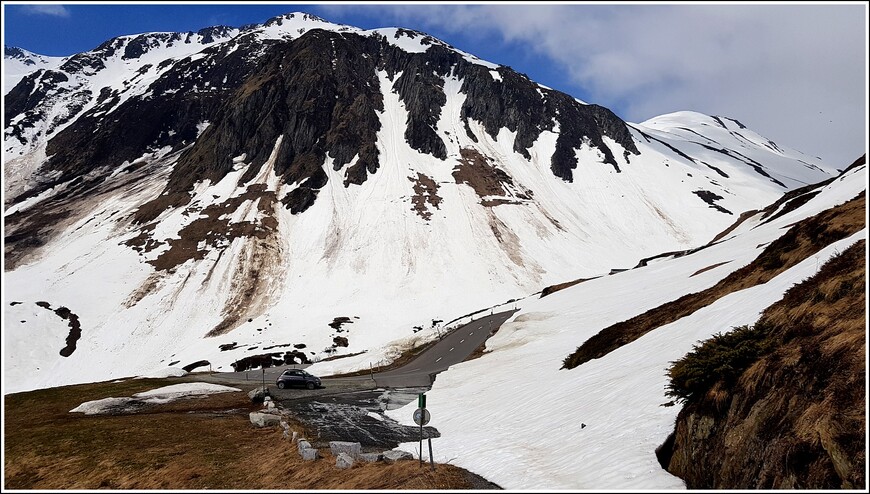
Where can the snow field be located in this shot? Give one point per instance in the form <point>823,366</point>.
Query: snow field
<point>516,418</point>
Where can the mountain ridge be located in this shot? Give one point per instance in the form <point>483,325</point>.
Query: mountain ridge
<point>251,189</point>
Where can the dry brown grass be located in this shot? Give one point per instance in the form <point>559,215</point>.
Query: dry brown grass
<point>708,268</point>
<point>795,418</point>
<point>561,286</point>
<point>743,217</point>
<point>204,443</point>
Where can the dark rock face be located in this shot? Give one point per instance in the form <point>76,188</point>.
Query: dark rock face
<point>319,93</point>
<point>27,95</point>
<point>169,117</point>
<point>711,198</point>
<point>194,365</point>
<point>325,85</point>
<point>316,106</point>
<point>520,105</point>
<point>210,34</point>
<point>17,53</point>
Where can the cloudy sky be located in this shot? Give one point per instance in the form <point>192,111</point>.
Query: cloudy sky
<point>796,74</point>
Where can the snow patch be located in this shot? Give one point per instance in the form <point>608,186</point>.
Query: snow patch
<point>167,372</point>
<point>165,394</point>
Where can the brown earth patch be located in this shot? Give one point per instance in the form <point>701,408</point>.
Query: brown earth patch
<point>802,240</point>
<point>475,170</point>
<point>204,443</point>
<point>490,203</point>
<point>425,192</point>
<point>144,242</point>
<point>216,231</point>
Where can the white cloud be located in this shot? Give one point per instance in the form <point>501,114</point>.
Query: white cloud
<point>794,73</point>
<point>46,9</point>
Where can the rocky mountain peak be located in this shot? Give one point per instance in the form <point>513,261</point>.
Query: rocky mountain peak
<point>18,53</point>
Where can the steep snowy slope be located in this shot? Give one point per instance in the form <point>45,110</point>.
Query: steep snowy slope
<point>173,198</point>
<point>515,416</point>
<point>17,63</point>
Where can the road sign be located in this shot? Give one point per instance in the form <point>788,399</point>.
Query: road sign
<point>421,416</point>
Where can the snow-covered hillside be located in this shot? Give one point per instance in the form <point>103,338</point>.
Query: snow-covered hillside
<point>17,63</point>
<point>148,225</point>
<point>515,415</point>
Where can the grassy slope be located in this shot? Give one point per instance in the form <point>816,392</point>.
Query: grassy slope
<point>794,416</point>
<point>196,443</point>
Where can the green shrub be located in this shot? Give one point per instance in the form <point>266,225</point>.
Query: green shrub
<point>723,357</point>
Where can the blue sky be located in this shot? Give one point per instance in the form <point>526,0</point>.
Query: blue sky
<point>794,73</point>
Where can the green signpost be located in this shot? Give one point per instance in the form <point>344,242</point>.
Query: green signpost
<point>421,417</point>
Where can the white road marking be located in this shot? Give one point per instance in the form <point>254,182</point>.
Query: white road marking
<point>439,358</point>
<point>452,349</point>
<point>460,341</point>
<point>469,334</point>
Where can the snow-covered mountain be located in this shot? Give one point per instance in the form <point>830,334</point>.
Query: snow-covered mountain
<point>18,63</point>
<point>174,198</point>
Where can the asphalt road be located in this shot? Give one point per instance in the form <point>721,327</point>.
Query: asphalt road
<point>451,350</point>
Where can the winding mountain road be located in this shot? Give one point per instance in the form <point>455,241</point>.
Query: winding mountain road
<point>352,408</point>
<point>452,349</point>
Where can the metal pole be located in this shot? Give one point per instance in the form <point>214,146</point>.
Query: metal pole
<point>430,454</point>
<point>421,440</point>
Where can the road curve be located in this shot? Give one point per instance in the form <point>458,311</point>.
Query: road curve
<point>450,350</point>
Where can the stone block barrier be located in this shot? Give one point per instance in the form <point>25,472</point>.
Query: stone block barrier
<point>350,448</point>
<point>344,461</point>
